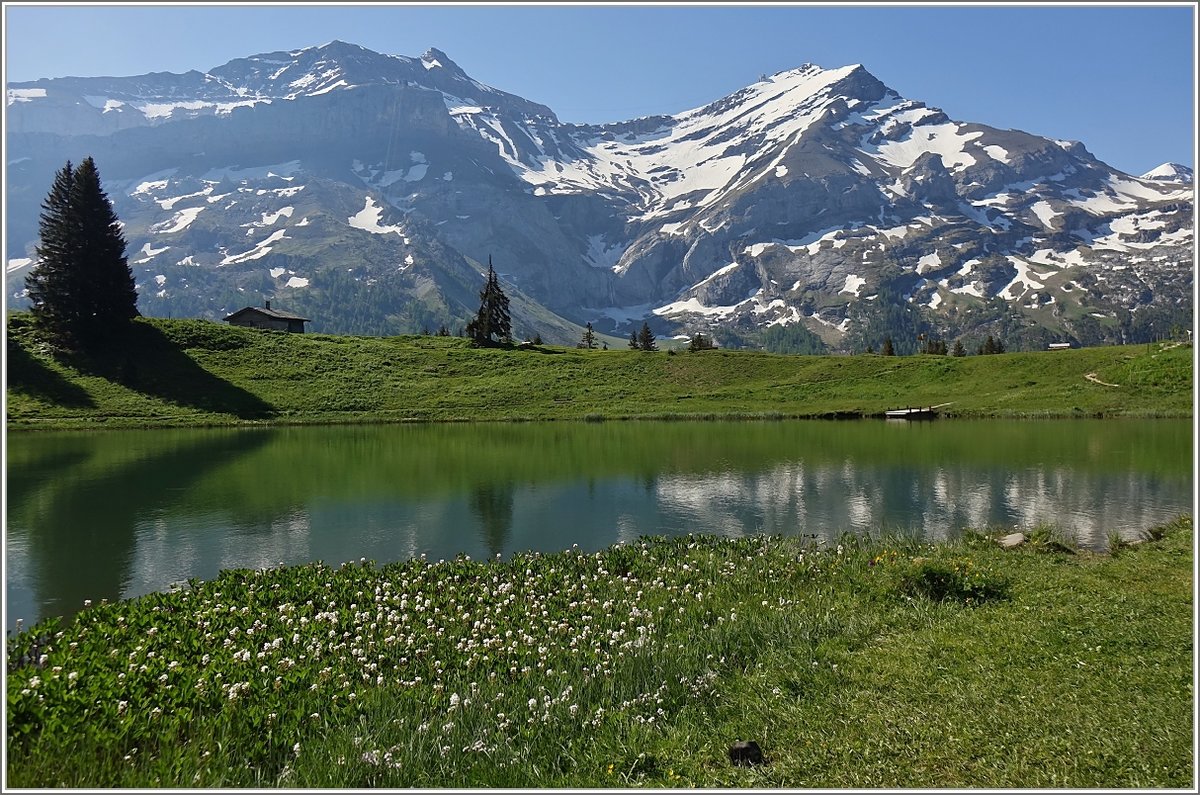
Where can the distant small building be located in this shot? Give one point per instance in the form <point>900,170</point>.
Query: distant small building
<point>1058,346</point>
<point>268,318</point>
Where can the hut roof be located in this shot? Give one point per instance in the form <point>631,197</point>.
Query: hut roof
<point>275,313</point>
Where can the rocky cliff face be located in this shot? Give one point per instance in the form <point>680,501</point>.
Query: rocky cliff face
<point>365,190</point>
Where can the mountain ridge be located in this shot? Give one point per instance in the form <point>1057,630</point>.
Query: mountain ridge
<point>797,201</point>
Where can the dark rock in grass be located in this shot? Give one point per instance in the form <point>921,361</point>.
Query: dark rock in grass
<point>1012,540</point>
<point>745,752</point>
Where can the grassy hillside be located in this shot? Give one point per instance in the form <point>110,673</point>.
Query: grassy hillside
<point>193,372</point>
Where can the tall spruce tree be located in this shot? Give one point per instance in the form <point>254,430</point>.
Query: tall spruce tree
<point>633,341</point>
<point>82,291</point>
<point>493,318</point>
<point>53,286</point>
<point>589,338</point>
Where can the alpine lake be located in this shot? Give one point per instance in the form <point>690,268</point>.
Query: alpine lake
<point>116,514</point>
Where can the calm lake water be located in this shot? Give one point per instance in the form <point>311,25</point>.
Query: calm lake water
<point>119,514</point>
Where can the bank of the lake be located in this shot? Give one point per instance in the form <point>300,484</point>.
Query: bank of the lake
<point>867,664</point>
<point>192,372</point>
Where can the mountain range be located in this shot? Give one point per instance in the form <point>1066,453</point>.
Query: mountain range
<point>816,209</point>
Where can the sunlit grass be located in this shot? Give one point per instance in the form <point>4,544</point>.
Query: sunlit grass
<point>870,663</point>
<point>192,372</point>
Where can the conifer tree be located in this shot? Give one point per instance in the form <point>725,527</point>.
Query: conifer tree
<point>493,318</point>
<point>52,285</point>
<point>958,350</point>
<point>633,341</point>
<point>82,291</point>
<point>888,348</point>
<point>589,338</point>
<point>645,338</point>
<point>991,345</point>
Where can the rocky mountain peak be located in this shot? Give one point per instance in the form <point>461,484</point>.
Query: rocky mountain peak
<point>433,58</point>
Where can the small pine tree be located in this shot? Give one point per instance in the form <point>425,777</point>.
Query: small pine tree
<point>699,342</point>
<point>633,341</point>
<point>82,291</point>
<point>537,339</point>
<point>645,339</point>
<point>958,349</point>
<point>888,349</point>
<point>493,318</point>
<point>443,331</point>
<point>934,347</point>
<point>589,338</point>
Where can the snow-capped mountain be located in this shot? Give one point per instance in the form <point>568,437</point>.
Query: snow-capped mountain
<point>365,190</point>
<point>1170,172</point>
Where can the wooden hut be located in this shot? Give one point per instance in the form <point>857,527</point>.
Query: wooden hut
<point>268,318</point>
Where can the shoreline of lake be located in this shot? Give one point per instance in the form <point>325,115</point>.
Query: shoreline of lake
<point>877,663</point>
<point>127,424</point>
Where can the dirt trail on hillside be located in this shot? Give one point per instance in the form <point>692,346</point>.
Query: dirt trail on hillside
<point>1092,377</point>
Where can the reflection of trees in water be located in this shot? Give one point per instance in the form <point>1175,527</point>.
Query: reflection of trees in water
<point>80,522</point>
<point>493,502</point>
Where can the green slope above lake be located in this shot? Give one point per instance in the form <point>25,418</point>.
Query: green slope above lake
<point>194,372</point>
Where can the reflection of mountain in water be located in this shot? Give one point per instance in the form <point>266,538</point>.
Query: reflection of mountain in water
<point>934,504</point>
<point>120,513</point>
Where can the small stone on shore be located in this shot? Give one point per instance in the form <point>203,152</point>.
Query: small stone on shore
<point>1012,540</point>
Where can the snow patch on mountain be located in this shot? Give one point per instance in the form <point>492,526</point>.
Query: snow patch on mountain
<point>931,261</point>
<point>1044,213</point>
<point>270,219</point>
<point>944,140</point>
<point>1025,280</point>
<point>15,95</point>
<point>261,249</point>
<point>601,255</point>
<point>853,285</point>
<point>178,222</point>
<point>148,253</point>
<point>368,219</point>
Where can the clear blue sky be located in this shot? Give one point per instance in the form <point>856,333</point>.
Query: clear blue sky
<point>1121,79</point>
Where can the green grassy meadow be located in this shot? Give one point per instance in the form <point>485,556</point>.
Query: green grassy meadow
<point>192,372</point>
<point>872,663</point>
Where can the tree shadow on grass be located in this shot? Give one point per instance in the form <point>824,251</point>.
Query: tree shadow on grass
<point>147,361</point>
<point>539,349</point>
<point>29,375</point>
